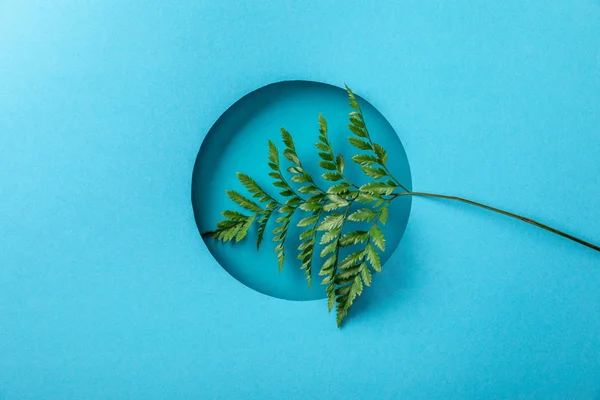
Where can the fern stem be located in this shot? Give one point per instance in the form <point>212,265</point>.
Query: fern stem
<point>395,180</point>
<point>503,212</point>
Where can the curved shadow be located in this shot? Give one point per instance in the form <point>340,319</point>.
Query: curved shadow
<point>237,142</point>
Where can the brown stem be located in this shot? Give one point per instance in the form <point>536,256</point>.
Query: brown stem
<point>508,214</point>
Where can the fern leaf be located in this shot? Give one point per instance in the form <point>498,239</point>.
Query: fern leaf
<point>353,238</point>
<point>332,176</point>
<point>287,139</point>
<point>257,191</point>
<point>309,206</point>
<point>377,188</point>
<point>340,163</point>
<point>356,120</point>
<point>384,214</point>
<point>243,231</point>
<point>329,236</point>
<point>373,257</point>
<point>365,274</point>
<point>362,215</point>
<point>290,155</point>
<point>351,259</point>
<point>335,202</point>
<point>380,153</point>
<point>243,201</point>
<point>365,159</point>
<point>328,165</point>
<point>330,248</point>
<point>359,143</point>
<point>308,221</point>
<point>358,131</point>
<point>377,237</point>
<point>273,155</point>
<point>352,99</point>
<point>333,221</point>
<point>375,173</point>
<point>330,296</point>
<point>345,301</point>
<point>322,147</point>
<point>234,215</point>
<point>342,187</point>
<point>322,125</point>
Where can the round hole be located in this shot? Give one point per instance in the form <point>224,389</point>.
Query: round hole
<point>238,142</point>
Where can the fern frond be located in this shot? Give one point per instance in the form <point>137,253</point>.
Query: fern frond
<point>328,211</point>
<point>363,141</point>
<point>257,191</point>
<point>353,271</point>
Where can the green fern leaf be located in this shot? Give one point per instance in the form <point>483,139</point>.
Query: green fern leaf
<point>353,238</point>
<point>300,178</point>
<point>347,275</point>
<point>326,156</point>
<point>287,139</point>
<point>243,231</point>
<point>362,215</point>
<point>375,173</point>
<point>352,99</point>
<point>330,296</point>
<point>377,188</point>
<point>322,125</point>
<point>359,143</point>
<point>351,259</point>
<point>330,248</point>
<point>332,176</point>
<point>358,131</point>
<point>384,214</point>
<point>364,159</point>
<point>333,221</point>
<point>357,121</point>
<point>342,187</point>
<point>373,257</point>
<point>310,206</point>
<point>365,274</point>
<point>323,147</point>
<point>290,155</point>
<point>234,215</point>
<point>345,301</point>
<point>273,155</point>
<point>328,165</point>
<point>308,221</point>
<point>340,163</point>
<point>243,201</point>
<point>381,153</point>
<point>329,236</point>
<point>262,226</point>
<point>377,237</point>
<point>256,190</point>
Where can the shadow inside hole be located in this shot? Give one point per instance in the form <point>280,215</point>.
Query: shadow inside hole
<point>238,143</point>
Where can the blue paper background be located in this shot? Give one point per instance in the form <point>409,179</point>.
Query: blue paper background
<point>107,291</point>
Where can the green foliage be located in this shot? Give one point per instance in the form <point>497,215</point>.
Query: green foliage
<point>327,216</point>
<point>328,212</point>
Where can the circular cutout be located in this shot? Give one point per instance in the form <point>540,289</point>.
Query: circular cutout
<point>237,142</point>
